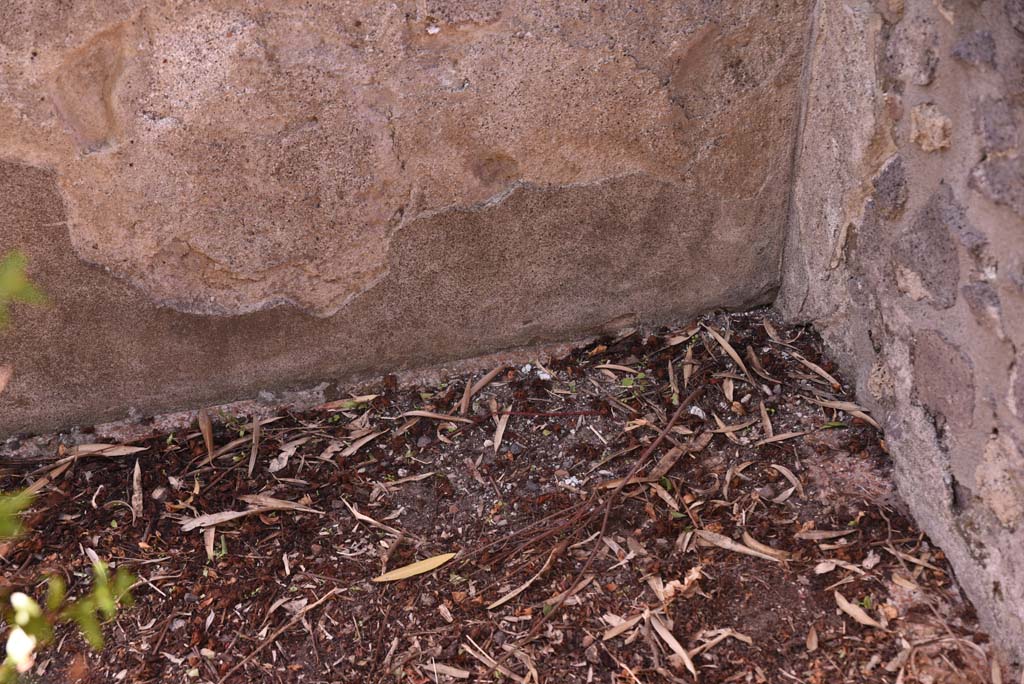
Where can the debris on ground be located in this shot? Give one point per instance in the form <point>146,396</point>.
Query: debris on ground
<point>705,503</point>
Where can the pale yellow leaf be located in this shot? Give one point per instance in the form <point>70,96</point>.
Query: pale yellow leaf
<point>417,568</point>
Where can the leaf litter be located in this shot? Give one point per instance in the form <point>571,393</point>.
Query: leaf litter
<point>759,541</point>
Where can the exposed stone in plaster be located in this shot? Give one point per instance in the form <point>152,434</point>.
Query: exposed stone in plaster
<point>930,128</point>
<point>925,253</point>
<point>1000,480</point>
<point>976,48</point>
<point>944,379</point>
<point>1001,179</point>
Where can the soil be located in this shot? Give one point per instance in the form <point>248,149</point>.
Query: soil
<point>761,538</point>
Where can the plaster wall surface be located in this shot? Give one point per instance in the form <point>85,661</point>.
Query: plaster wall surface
<point>227,196</point>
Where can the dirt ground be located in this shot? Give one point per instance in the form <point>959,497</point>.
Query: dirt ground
<point>759,539</point>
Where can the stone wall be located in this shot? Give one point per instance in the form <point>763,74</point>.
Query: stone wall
<point>227,196</point>
<point>906,248</point>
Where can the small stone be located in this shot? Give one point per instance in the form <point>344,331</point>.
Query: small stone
<point>1016,399</point>
<point>930,128</point>
<point>994,122</point>
<point>983,302</point>
<point>911,52</point>
<point>891,188</point>
<point>1000,480</point>
<point>1001,180</point>
<point>927,265</point>
<point>944,379</point>
<point>1015,13</point>
<point>977,48</point>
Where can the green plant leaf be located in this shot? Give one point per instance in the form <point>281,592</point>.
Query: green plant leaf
<point>15,285</point>
<point>11,506</point>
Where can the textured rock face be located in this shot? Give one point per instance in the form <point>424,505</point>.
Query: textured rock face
<point>906,247</point>
<point>228,157</point>
<point>228,196</point>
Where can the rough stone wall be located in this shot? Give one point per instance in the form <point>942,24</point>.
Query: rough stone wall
<point>906,247</point>
<point>226,196</point>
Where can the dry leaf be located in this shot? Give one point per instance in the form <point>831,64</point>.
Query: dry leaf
<point>446,670</point>
<point>417,568</point>
<point>731,352</point>
<point>255,444</point>
<point>276,504</point>
<point>779,438</point>
<point>672,643</point>
<point>854,410</point>
<point>288,450</point>
<point>499,431</point>
<point>136,492</point>
<point>103,450</point>
<point>622,627</point>
<point>526,585</point>
<point>209,536</point>
<point>347,404</point>
<point>766,423</point>
<point>476,387</point>
<point>724,542</point>
<point>819,535</point>
<point>5,376</point>
<point>206,427</point>
<point>436,416</point>
<point>360,443</point>
<point>856,612</point>
<point>764,548</point>
<point>688,367</point>
<point>788,474</point>
<point>812,640</point>
<point>836,385</point>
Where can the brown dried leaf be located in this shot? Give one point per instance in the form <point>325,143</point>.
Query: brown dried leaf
<point>731,352</point>
<point>672,643</point>
<point>499,431</point>
<point>206,427</point>
<point>847,407</point>
<point>812,640</point>
<point>836,385</point>
<point>348,403</point>
<point>621,627</point>
<point>779,438</point>
<point>360,443</point>
<point>766,423</point>
<point>755,363</point>
<point>819,535</point>
<point>288,450</point>
<point>616,367</point>
<point>471,390</point>
<point>255,444</point>
<point>436,416</point>
<point>103,450</point>
<point>723,542</point>
<point>856,612</point>
<point>688,367</point>
<point>209,537</point>
<point>136,492</point>
<point>788,474</point>
<point>764,548</point>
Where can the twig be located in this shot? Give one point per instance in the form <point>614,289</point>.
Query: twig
<point>613,497</point>
<point>277,632</point>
